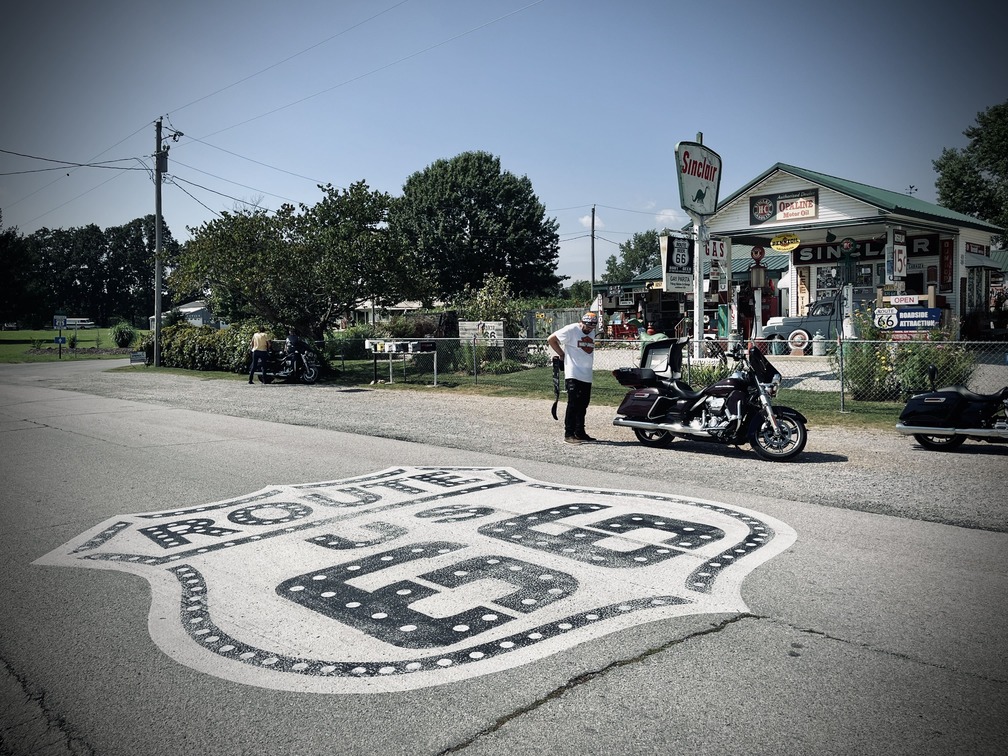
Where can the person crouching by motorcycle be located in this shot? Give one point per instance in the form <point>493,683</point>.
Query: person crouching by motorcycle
<point>293,347</point>
<point>575,345</point>
<point>259,347</point>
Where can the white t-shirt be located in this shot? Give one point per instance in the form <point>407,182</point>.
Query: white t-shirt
<point>578,347</point>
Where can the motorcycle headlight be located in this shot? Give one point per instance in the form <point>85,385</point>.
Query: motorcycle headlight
<point>772,387</point>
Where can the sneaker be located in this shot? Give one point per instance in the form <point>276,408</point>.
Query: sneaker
<point>584,437</point>
<point>572,440</point>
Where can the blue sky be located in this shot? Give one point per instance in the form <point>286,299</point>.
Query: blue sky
<point>587,98</point>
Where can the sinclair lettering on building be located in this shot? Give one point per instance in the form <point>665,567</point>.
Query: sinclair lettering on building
<point>699,172</point>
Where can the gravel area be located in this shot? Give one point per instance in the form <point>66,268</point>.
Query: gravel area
<point>880,472</point>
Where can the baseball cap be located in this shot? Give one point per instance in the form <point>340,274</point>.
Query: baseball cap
<point>589,317</point>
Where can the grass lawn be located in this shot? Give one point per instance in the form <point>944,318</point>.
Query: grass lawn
<point>19,346</point>
<point>821,409</point>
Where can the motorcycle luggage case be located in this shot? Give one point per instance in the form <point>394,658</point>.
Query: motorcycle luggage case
<point>934,410</point>
<point>635,377</point>
<point>646,404</point>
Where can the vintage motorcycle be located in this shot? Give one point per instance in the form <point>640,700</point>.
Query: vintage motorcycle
<point>290,364</point>
<point>943,419</point>
<point>736,410</point>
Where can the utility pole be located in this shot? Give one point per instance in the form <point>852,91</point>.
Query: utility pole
<point>593,250</point>
<point>160,164</point>
<point>699,243</point>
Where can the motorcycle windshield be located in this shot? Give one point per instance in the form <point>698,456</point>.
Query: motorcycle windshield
<point>761,366</point>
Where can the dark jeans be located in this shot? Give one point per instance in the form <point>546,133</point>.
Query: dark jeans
<point>578,398</point>
<point>258,360</point>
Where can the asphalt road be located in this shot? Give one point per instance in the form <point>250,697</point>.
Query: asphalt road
<point>842,631</point>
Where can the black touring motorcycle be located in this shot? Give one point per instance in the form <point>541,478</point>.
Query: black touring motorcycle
<point>292,362</point>
<point>942,419</point>
<point>736,410</point>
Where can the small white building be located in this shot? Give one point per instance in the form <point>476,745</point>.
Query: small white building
<point>196,313</point>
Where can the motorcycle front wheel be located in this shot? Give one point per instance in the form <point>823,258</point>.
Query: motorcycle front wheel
<point>939,443</point>
<point>782,446</point>
<point>658,439</point>
<point>309,374</point>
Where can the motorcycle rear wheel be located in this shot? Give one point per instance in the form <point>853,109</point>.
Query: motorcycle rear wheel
<point>783,446</point>
<point>939,443</point>
<point>657,439</point>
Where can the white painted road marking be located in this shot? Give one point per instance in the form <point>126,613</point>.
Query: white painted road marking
<point>413,577</point>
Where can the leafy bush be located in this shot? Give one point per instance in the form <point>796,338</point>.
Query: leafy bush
<point>123,334</point>
<point>72,340</point>
<point>876,369</point>
<point>501,367</point>
<point>707,374</point>
<point>954,361</point>
<point>349,342</point>
<point>538,358</point>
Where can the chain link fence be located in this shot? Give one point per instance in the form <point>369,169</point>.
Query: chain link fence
<point>858,370</point>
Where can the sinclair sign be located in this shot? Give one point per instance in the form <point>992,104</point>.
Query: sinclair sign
<point>699,172</point>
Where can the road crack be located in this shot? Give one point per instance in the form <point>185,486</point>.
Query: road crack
<point>586,677</point>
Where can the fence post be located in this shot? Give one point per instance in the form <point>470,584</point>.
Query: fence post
<point>475,363</point>
<point>840,349</point>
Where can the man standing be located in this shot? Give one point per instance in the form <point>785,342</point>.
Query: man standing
<point>575,345</point>
<point>260,351</point>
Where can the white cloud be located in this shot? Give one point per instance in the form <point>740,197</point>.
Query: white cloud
<point>586,222</point>
<point>671,218</point>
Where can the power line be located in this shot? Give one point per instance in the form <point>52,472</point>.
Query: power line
<point>212,191</point>
<point>194,199</point>
<point>236,183</point>
<point>291,57</point>
<point>46,186</point>
<point>377,70</point>
<point>259,162</point>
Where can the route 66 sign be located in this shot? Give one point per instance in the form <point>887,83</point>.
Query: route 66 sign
<point>413,577</point>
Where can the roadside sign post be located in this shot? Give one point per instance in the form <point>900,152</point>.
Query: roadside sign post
<point>698,169</point>
<point>59,323</point>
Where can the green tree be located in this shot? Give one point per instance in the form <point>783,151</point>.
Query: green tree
<point>465,218</point>
<point>130,269</point>
<point>20,294</point>
<point>304,267</point>
<point>493,301</point>
<point>974,180</point>
<point>580,291</point>
<point>640,253</point>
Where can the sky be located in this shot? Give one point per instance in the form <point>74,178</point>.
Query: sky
<point>584,97</point>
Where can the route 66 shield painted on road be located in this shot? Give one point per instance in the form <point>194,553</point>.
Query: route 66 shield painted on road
<point>412,577</point>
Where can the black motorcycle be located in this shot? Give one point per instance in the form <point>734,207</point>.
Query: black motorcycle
<point>291,363</point>
<point>942,419</point>
<point>736,410</point>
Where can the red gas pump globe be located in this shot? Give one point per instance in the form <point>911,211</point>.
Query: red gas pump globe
<point>758,253</point>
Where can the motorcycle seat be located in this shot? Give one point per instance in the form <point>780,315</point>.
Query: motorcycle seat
<point>972,396</point>
<point>682,389</point>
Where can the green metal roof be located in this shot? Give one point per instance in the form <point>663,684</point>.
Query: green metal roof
<point>740,266</point>
<point>892,202</point>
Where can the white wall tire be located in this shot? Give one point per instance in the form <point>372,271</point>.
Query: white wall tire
<point>799,340</point>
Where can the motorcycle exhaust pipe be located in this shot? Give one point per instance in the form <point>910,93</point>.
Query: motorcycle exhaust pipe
<point>679,428</point>
<point>911,430</point>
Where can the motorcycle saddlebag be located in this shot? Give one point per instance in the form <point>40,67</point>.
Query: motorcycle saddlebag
<point>645,404</point>
<point>933,410</point>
